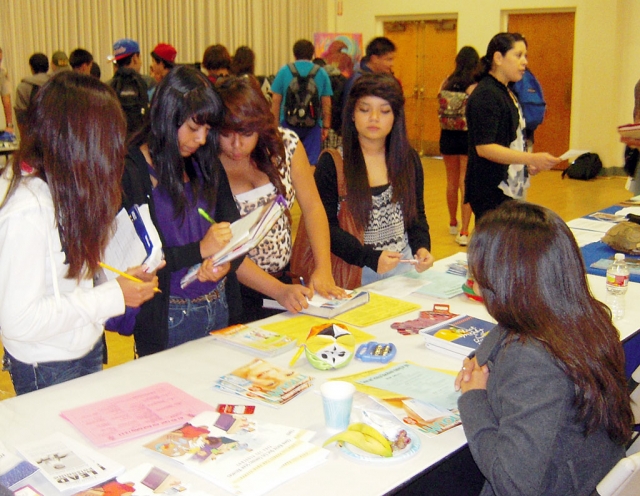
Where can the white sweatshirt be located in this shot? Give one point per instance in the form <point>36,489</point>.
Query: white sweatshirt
<point>43,315</point>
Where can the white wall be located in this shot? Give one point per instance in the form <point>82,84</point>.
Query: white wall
<point>606,52</point>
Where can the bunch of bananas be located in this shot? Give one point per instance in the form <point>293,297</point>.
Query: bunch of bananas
<point>365,437</point>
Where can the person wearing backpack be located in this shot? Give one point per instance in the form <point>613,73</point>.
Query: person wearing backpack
<point>338,82</point>
<point>454,140</point>
<point>29,86</point>
<point>301,99</point>
<point>128,84</point>
<point>499,167</point>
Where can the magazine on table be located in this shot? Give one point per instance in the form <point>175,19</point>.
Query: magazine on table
<point>458,336</point>
<point>240,455</point>
<point>254,340</point>
<point>69,466</point>
<point>264,381</point>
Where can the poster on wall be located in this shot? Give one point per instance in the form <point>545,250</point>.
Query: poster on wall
<point>342,50</point>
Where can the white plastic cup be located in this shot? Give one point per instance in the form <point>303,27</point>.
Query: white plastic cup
<point>337,399</point>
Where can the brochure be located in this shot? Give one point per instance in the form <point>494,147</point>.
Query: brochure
<point>247,233</point>
<point>145,479</point>
<point>458,336</point>
<point>418,396</point>
<point>261,380</point>
<point>68,465</point>
<point>238,454</point>
<point>328,308</point>
<point>254,340</point>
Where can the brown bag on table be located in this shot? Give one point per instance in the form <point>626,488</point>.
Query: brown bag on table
<point>347,276</point>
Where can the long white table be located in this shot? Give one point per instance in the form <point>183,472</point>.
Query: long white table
<point>194,367</point>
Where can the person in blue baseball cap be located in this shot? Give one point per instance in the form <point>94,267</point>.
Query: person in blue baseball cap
<point>130,87</point>
<point>126,53</point>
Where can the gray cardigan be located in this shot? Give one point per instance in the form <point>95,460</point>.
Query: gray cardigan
<point>521,429</point>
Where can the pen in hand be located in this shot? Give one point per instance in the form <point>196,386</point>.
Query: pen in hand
<point>205,215</point>
<point>125,275</point>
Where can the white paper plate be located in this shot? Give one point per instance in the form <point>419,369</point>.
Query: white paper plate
<point>411,449</point>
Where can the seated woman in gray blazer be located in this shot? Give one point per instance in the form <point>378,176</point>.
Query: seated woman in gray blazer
<point>544,406</point>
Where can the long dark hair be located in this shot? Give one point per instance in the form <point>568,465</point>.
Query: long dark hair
<point>182,94</point>
<point>246,110</point>
<point>74,141</point>
<point>466,71</point>
<point>399,155</point>
<point>533,281</point>
<point>502,43</point>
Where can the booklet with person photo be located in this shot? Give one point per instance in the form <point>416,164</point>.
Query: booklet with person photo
<point>261,380</point>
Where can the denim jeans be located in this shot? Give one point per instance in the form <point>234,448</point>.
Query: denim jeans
<point>369,275</point>
<point>28,377</point>
<point>189,321</point>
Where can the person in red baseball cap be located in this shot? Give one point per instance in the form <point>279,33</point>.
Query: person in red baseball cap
<point>163,60</point>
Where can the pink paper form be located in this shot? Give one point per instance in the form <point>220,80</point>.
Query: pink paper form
<point>121,418</point>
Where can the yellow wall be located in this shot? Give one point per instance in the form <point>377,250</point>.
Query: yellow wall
<point>606,62</point>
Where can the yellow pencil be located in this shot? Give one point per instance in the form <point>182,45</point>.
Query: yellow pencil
<point>296,356</point>
<point>125,275</point>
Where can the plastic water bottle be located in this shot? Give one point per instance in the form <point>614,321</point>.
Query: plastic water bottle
<point>617,283</point>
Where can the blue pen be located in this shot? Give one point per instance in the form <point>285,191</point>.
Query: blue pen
<point>302,282</point>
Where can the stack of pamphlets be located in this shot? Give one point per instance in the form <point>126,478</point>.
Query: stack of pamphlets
<point>261,380</point>
<point>459,268</point>
<point>240,455</point>
<point>254,340</point>
<point>69,466</point>
<point>457,336</point>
